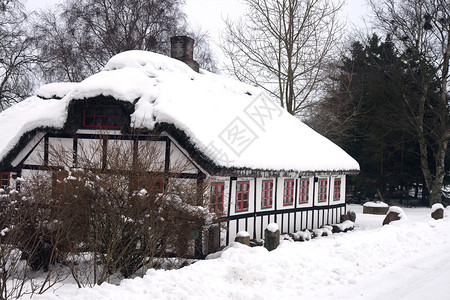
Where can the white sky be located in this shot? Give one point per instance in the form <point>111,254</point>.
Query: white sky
<point>209,14</point>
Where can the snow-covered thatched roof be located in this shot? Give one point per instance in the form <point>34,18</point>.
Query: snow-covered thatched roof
<point>233,124</point>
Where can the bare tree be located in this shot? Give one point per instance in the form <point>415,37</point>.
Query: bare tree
<point>82,35</point>
<point>282,46</point>
<point>16,54</point>
<point>203,53</point>
<point>421,30</point>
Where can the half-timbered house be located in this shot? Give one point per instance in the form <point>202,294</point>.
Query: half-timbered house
<point>262,165</point>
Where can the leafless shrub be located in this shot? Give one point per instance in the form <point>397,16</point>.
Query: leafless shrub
<point>127,211</point>
<point>32,241</point>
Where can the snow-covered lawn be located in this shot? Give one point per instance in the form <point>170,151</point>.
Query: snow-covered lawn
<point>405,260</point>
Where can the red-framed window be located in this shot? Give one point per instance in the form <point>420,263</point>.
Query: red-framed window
<point>323,183</point>
<point>288,198</point>
<point>151,185</point>
<point>242,194</point>
<point>217,190</point>
<point>102,116</point>
<point>303,196</point>
<point>4,180</point>
<point>337,189</point>
<point>266,194</point>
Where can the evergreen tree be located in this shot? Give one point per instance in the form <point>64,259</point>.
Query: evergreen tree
<point>364,113</point>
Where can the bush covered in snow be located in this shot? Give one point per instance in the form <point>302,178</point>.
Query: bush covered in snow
<point>99,224</point>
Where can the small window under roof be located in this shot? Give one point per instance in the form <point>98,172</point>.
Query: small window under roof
<point>102,116</point>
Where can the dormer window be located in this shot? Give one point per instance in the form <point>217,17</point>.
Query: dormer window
<point>102,116</point>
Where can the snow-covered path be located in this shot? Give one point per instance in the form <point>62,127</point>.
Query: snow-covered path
<point>405,260</point>
<point>422,276</point>
<point>422,272</point>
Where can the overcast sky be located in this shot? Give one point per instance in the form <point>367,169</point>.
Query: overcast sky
<point>209,13</point>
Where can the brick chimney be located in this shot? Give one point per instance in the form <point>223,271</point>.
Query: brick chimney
<point>182,48</point>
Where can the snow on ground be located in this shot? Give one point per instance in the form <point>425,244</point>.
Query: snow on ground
<point>408,259</point>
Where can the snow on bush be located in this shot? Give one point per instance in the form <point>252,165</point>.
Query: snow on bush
<point>346,225</point>
<point>305,235</point>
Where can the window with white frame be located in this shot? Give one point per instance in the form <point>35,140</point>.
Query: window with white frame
<point>303,195</point>
<point>242,195</point>
<point>288,198</point>
<point>266,194</point>
<point>323,184</point>
<point>337,189</point>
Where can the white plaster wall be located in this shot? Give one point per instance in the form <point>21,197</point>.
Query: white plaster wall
<point>60,152</point>
<point>28,147</point>
<point>119,154</point>
<point>154,151</point>
<point>179,161</point>
<point>89,153</point>
<point>37,156</point>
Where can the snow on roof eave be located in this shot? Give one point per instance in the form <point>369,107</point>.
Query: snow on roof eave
<point>249,172</point>
<point>208,164</point>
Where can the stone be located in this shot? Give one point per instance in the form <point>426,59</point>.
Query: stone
<point>256,243</point>
<point>345,217</point>
<point>243,237</point>
<point>352,216</point>
<point>391,216</point>
<point>336,228</point>
<point>438,214</point>
<point>375,208</point>
<point>243,240</point>
<point>271,239</point>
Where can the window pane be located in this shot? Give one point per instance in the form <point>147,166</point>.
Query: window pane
<point>110,110</point>
<point>99,110</point>
<point>109,121</point>
<point>90,110</point>
<point>89,121</point>
<point>98,121</point>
